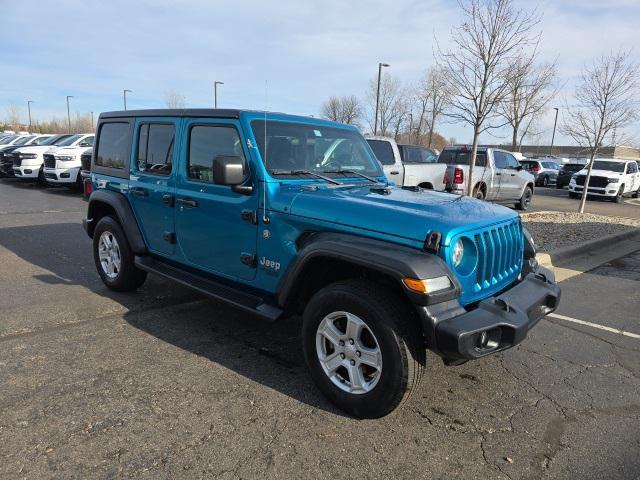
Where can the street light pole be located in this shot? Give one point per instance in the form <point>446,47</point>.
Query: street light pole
<point>68,112</point>
<point>92,125</point>
<point>553,136</point>
<point>124,97</point>
<point>29,102</point>
<point>215,93</point>
<point>375,123</point>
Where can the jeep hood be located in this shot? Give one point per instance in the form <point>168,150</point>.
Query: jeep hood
<point>397,212</point>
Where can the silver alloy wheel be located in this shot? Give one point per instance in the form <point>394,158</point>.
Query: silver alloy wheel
<point>109,254</point>
<point>349,352</point>
<point>527,197</point>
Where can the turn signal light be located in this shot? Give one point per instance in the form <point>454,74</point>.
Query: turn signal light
<point>87,187</point>
<point>429,285</point>
<point>458,176</point>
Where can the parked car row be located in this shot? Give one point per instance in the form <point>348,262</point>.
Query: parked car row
<point>45,158</point>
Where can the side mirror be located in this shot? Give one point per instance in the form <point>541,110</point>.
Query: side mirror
<point>228,170</point>
<point>519,167</point>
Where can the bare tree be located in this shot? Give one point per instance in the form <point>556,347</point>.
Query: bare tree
<point>492,35</point>
<point>433,98</point>
<point>392,105</point>
<point>346,109</point>
<point>173,99</point>
<point>530,88</point>
<point>605,102</point>
<point>13,115</point>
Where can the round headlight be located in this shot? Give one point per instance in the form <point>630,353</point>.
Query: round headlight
<point>458,252</point>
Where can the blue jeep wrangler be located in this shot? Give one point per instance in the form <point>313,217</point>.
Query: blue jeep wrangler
<point>278,214</point>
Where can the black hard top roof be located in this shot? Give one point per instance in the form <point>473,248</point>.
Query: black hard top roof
<point>175,112</point>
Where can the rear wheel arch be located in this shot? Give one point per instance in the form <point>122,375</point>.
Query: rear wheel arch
<point>426,185</point>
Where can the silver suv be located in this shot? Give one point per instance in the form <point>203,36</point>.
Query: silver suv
<point>544,171</point>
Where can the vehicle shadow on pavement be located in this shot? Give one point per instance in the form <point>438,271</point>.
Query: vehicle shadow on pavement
<point>263,352</point>
<point>73,191</point>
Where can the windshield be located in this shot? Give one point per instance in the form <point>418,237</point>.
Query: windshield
<point>572,168</point>
<point>317,149</point>
<point>68,141</point>
<point>41,141</point>
<point>23,140</point>
<point>6,140</point>
<point>617,167</point>
<point>461,157</point>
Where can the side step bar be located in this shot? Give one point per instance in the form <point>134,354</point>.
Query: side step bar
<point>244,301</point>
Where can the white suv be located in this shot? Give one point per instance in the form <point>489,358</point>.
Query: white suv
<point>611,179</point>
<point>27,161</point>
<point>62,164</point>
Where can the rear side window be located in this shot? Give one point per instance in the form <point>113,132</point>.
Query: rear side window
<point>383,151</point>
<point>206,142</point>
<point>155,148</point>
<point>113,146</point>
<point>461,157</point>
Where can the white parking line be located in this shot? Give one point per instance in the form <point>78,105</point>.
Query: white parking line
<point>595,325</point>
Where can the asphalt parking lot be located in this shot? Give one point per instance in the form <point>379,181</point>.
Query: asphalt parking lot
<point>165,384</point>
<point>558,199</point>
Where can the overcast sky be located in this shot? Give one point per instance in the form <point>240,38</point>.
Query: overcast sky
<point>302,51</point>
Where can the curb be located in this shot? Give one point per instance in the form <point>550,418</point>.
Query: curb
<point>571,253</point>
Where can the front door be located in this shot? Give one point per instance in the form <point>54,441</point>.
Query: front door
<point>215,225</point>
<point>152,184</point>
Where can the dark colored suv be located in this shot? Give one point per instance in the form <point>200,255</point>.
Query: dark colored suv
<point>566,172</point>
<point>282,215</point>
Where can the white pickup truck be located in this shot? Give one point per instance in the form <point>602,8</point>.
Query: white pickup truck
<point>497,175</point>
<point>408,165</point>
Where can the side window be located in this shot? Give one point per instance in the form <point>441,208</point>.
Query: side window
<point>511,161</point>
<point>206,142</point>
<point>155,148</point>
<point>413,155</point>
<point>113,147</point>
<point>632,167</point>
<point>500,159</point>
<point>86,141</point>
<point>427,156</point>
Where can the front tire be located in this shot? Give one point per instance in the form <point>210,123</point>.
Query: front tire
<point>545,181</point>
<point>573,195</point>
<point>113,257</point>
<point>619,198</point>
<point>525,201</point>
<point>363,347</point>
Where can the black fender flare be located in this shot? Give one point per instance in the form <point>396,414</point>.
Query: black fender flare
<point>395,261</point>
<point>120,205</point>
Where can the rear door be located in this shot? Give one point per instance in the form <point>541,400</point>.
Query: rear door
<point>501,185</point>
<point>152,186</point>
<point>215,225</point>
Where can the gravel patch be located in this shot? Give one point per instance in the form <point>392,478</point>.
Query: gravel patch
<point>553,230</point>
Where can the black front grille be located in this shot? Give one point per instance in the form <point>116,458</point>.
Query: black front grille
<point>595,182</point>
<point>17,161</point>
<point>49,160</point>
<point>85,160</point>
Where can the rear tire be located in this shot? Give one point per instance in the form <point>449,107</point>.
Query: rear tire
<point>573,195</point>
<point>545,181</point>
<point>478,193</point>
<point>637,194</point>
<point>525,201</point>
<point>353,320</point>
<point>113,257</point>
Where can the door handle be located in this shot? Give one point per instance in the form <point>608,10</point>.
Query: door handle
<point>139,192</point>
<point>187,202</point>
<point>498,174</point>
<point>394,173</point>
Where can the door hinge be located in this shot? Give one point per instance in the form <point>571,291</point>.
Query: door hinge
<point>248,259</point>
<point>167,199</point>
<point>169,237</point>
<point>249,216</point>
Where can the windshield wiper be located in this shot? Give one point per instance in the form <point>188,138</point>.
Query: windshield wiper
<point>305,172</point>
<point>353,172</point>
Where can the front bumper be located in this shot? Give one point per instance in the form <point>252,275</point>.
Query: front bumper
<point>611,190</point>
<point>26,171</point>
<point>494,324</point>
<point>61,175</point>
